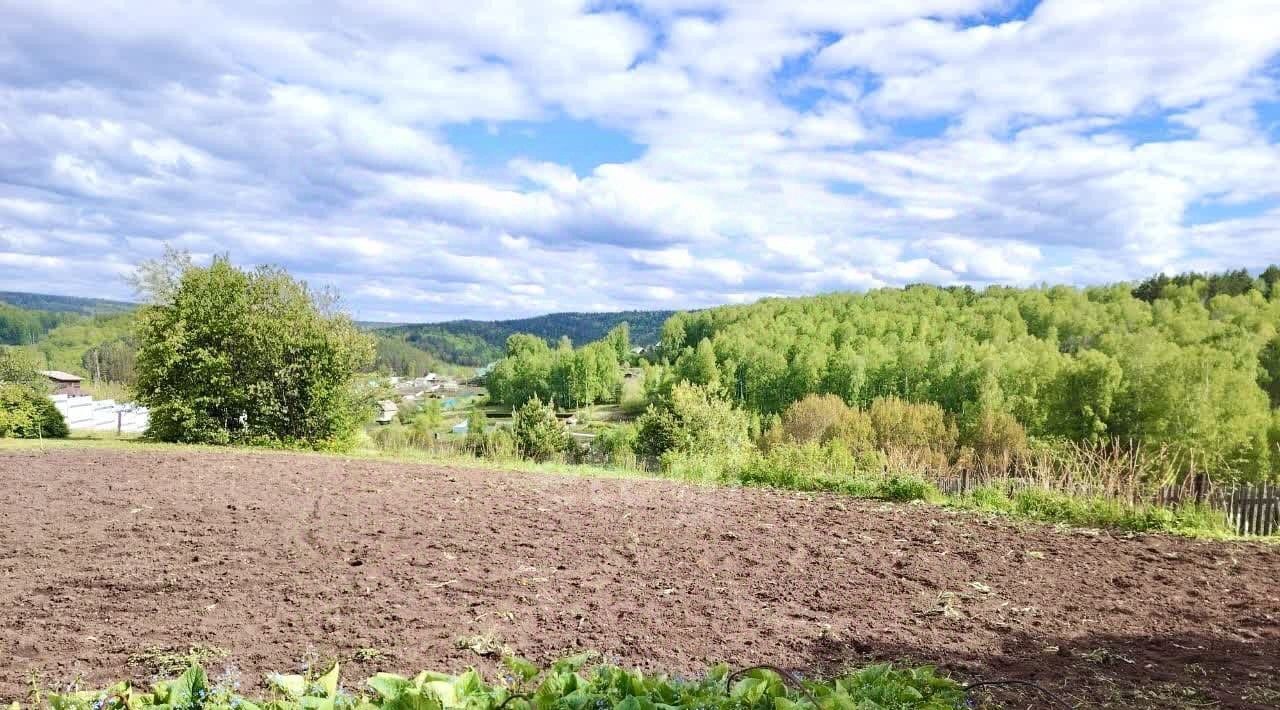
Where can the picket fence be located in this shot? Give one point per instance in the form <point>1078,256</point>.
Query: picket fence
<point>1252,509</point>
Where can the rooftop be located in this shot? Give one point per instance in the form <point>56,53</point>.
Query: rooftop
<point>60,376</point>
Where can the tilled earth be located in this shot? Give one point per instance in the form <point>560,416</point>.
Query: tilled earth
<point>281,559</point>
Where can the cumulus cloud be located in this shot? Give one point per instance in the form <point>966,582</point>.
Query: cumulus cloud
<point>739,149</point>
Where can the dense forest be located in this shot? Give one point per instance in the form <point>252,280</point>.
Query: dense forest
<point>566,376</point>
<point>19,326</point>
<point>102,347</point>
<point>87,336</point>
<point>64,304</point>
<point>1188,363</point>
<point>410,350</point>
<point>471,342</point>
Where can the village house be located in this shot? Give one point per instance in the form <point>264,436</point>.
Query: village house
<point>387,411</point>
<point>63,382</point>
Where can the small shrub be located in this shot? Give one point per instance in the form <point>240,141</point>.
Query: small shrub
<point>902,488</point>
<point>996,439</point>
<point>539,435</point>
<point>990,497</point>
<point>618,443</point>
<point>657,432</point>
<point>476,441</point>
<point>913,427</point>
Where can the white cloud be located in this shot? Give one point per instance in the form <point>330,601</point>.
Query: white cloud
<point>784,147</point>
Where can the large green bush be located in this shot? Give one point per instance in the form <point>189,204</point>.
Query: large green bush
<point>26,412</point>
<point>228,356</point>
<point>914,427</point>
<point>823,418</point>
<point>695,419</point>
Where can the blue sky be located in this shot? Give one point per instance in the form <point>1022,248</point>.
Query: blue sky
<point>502,159</point>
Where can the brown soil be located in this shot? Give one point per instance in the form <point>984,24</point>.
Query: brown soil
<point>279,558</point>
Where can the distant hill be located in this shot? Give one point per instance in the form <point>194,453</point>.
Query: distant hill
<point>64,304</point>
<point>461,342</point>
<point>473,342</point>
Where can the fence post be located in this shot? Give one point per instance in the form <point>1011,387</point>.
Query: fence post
<point>119,422</point>
<point>964,481</point>
<point>1201,485</point>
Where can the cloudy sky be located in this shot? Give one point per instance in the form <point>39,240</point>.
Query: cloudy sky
<point>503,158</point>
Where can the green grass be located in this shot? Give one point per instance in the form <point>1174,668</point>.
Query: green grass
<point>1054,507</point>
<point>526,687</point>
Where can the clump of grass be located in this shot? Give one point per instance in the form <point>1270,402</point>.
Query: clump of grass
<point>1093,511</point>
<point>483,645</point>
<point>168,661</point>
<point>369,655</point>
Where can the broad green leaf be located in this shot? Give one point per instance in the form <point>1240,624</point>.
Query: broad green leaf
<point>189,688</point>
<point>388,685</point>
<point>329,682</point>
<point>412,699</point>
<point>521,668</point>
<point>311,702</point>
<point>443,689</point>
<point>292,686</point>
<point>572,663</point>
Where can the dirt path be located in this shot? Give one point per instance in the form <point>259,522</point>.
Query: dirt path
<point>277,558</point>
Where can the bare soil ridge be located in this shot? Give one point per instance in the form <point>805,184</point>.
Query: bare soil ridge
<point>278,558</point>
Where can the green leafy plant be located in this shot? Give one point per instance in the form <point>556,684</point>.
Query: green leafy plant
<point>564,685</point>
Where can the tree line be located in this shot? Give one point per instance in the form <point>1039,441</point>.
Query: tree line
<point>1190,363</point>
<point>472,342</point>
<point>21,326</point>
<point>566,376</point>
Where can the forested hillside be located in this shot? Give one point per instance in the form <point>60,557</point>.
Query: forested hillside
<point>101,347</point>
<point>472,342</point>
<point>19,326</point>
<point>1191,363</point>
<point>64,304</point>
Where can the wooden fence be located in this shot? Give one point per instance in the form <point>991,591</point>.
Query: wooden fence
<point>1250,508</point>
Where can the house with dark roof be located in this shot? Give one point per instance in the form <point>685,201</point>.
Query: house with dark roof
<point>63,382</point>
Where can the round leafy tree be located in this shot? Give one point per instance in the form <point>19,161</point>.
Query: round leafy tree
<point>230,356</point>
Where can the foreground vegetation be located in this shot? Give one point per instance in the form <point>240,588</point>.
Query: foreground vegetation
<point>564,685</point>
